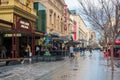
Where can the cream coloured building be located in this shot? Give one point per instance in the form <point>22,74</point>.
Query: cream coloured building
<point>17,25</point>
<point>81,29</point>
<point>91,38</point>
<point>57,16</point>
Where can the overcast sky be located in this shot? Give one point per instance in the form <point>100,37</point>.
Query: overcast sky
<point>72,4</point>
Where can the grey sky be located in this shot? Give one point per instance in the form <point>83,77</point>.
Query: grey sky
<point>72,4</point>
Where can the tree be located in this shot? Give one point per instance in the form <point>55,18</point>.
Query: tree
<point>101,14</point>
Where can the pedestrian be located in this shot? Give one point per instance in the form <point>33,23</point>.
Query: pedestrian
<point>71,52</point>
<point>76,51</point>
<point>29,53</point>
<point>3,52</point>
<point>90,50</point>
<point>82,51</point>
<point>37,50</point>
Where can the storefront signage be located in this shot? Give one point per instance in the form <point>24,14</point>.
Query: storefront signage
<point>10,35</point>
<point>75,28</point>
<point>24,24</point>
<point>65,16</point>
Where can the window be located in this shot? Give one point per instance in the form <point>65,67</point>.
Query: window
<point>27,2</point>
<point>58,22</point>
<point>21,1</point>
<point>55,20</point>
<point>50,19</point>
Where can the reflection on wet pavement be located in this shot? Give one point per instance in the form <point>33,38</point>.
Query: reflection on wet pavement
<point>85,68</point>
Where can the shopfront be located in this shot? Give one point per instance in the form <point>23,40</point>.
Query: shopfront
<point>24,30</point>
<point>18,27</point>
<point>5,28</point>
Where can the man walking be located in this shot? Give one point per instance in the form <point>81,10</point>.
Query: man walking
<point>3,52</point>
<point>71,52</point>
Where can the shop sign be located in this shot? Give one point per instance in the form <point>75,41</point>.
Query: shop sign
<point>75,28</point>
<point>65,17</point>
<point>10,35</point>
<point>24,24</point>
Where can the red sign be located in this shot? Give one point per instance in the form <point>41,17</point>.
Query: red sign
<point>24,24</point>
<point>65,16</point>
<point>75,29</point>
<point>117,42</point>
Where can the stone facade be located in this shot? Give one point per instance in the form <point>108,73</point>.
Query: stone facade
<point>55,16</point>
<point>22,16</point>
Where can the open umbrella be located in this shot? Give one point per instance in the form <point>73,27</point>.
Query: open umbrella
<point>117,42</point>
<point>72,42</point>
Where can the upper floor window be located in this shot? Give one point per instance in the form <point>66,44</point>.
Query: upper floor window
<point>4,1</point>
<point>21,1</point>
<point>27,2</point>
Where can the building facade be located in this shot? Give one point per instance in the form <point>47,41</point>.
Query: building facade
<point>56,16</point>
<point>91,38</point>
<point>18,18</point>
<point>80,29</point>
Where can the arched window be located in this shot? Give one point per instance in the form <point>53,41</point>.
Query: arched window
<point>55,20</point>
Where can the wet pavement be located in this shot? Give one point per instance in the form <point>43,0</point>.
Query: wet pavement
<point>84,68</point>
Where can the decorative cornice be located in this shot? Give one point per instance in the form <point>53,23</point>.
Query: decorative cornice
<point>19,11</point>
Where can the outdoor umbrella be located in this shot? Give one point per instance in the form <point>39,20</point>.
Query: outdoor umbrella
<point>72,42</point>
<point>117,42</point>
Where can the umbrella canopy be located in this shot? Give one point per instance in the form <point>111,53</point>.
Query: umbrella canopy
<point>117,42</point>
<point>66,38</point>
<point>55,35</point>
<point>57,39</point>
<point>72,42</point>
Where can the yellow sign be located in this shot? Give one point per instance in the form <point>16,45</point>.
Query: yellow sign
<point>10,35</point>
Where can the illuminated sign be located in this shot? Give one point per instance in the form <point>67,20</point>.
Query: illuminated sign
<point>10,35</point>
<point>24,24</point>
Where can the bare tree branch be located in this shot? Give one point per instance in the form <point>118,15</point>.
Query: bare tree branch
<point>104,17</point>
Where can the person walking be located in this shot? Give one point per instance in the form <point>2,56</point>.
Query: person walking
<point>71,52</point>
<point>82,51</point>
<point>37,50</point>
<point>29,53</point>
<point>76,51</point>
<point>3,52</point>
<point>90,50</point>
